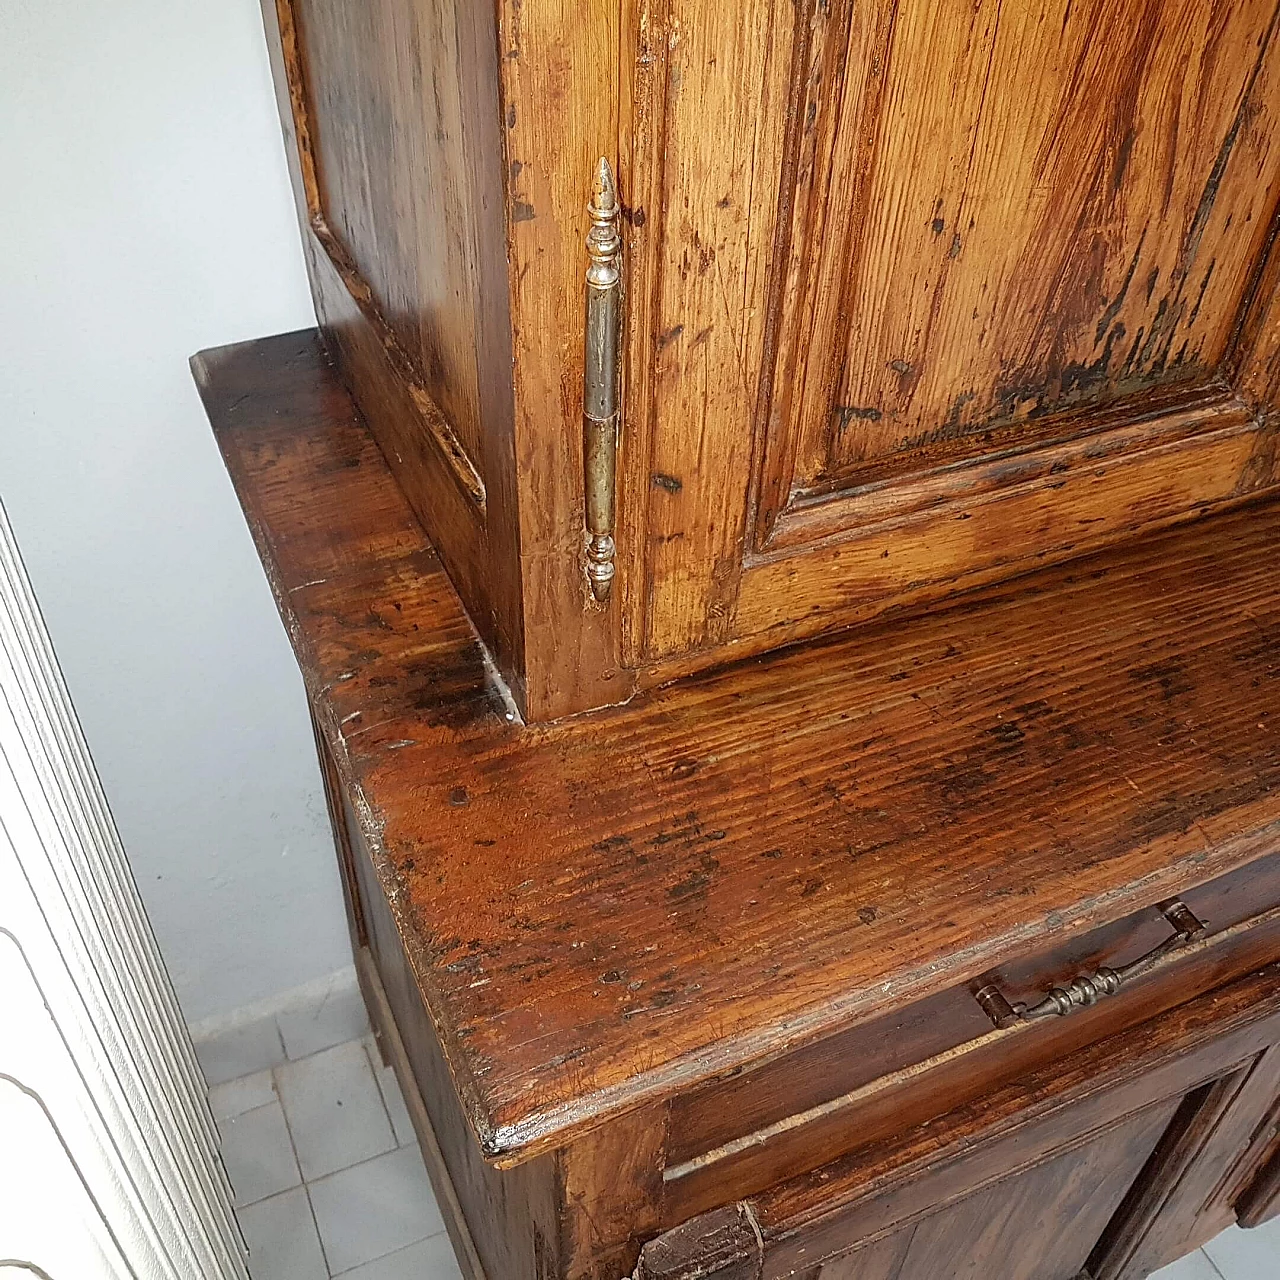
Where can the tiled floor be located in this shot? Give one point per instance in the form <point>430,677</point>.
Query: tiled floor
<point>326,1172</point>
<point>329,1182</point>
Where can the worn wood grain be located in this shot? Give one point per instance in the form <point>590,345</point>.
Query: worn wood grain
<point>608,910</point>
<point>611,1194</point>
<point>399,198</point>
<point>992,262</point>
<point>1065,199</point>
<point>712,212</point>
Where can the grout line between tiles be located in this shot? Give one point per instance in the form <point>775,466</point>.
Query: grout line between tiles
<point>315,1226</point>
<point>293,1146</point>
<point>382,1097</point>
<point>1213,1266</point>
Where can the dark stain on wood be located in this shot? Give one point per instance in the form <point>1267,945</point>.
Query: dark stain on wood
<point>1035,746</point>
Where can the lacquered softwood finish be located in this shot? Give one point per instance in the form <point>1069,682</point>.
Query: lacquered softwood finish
<point>953,288</point>
<point>743,863</point>
<point>720,945</point>
<point>949,291</point>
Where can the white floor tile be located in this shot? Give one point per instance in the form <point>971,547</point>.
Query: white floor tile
<point>1195,1266</point>
<point>374,1209</point>
<point>258,1154</point>
<point>1247,1255</point>
<point>392,1098</point>
<point>334,1109</point>
<point>337,1016</point>
<point>238,1096</point>
<point>238,1051</point>
<point>427,1260</point>
<point>282,1240</point>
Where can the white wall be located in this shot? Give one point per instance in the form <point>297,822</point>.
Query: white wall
<point>145,213</point>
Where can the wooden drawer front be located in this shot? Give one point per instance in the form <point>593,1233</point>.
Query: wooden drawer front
<point>1103,1164</point>
<point>803,1110</point>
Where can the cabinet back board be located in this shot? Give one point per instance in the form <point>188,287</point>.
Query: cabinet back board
<point>916,296</point>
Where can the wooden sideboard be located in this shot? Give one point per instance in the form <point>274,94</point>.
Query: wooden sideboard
<point>775,527</point>
<point>738,980</point>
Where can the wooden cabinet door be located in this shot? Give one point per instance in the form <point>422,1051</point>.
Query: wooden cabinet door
<point>924,293</point>
<point>1036,1225</point>
<point>1189,1189</point>
<point>1117,1203</point>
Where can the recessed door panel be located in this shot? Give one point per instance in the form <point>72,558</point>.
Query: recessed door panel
<point>1036,207</point>
<point>902,266</point>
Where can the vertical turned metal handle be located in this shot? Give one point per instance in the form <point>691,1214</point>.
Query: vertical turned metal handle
<point>600,380</point>
<point>1090,988</point>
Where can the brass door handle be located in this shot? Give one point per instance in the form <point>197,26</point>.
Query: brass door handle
<point>1090,988</point>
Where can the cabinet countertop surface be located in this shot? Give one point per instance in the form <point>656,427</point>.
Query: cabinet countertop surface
<point>609,909</point>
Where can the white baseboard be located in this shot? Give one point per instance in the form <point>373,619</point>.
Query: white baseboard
<point>293,1024</point>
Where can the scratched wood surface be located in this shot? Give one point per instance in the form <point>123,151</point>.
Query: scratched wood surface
<point>609,909</point>
<point>1065,201</point>
<point>927,247</point>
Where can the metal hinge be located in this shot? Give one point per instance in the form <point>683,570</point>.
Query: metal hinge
<point>600,380</point>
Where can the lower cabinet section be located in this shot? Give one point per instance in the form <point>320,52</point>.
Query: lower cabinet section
<point>1109,1165</point>
<point>1104,1160</point>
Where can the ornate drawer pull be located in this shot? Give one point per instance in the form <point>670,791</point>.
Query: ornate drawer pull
<point>1089,989</point>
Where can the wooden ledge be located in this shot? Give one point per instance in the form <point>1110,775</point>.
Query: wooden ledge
<point>606,910</point>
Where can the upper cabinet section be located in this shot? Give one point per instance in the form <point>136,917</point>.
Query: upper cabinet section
<point>915,295</point>
<point>930,291</point>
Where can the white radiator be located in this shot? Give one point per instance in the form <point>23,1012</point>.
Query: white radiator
<point>108,1155</point>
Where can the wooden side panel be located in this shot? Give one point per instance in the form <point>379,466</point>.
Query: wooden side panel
<point>384,107</point>
<point>510,1217</point>
<point>394,179</point>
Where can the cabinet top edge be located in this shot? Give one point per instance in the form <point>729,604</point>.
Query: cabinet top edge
<point>604,911</point>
